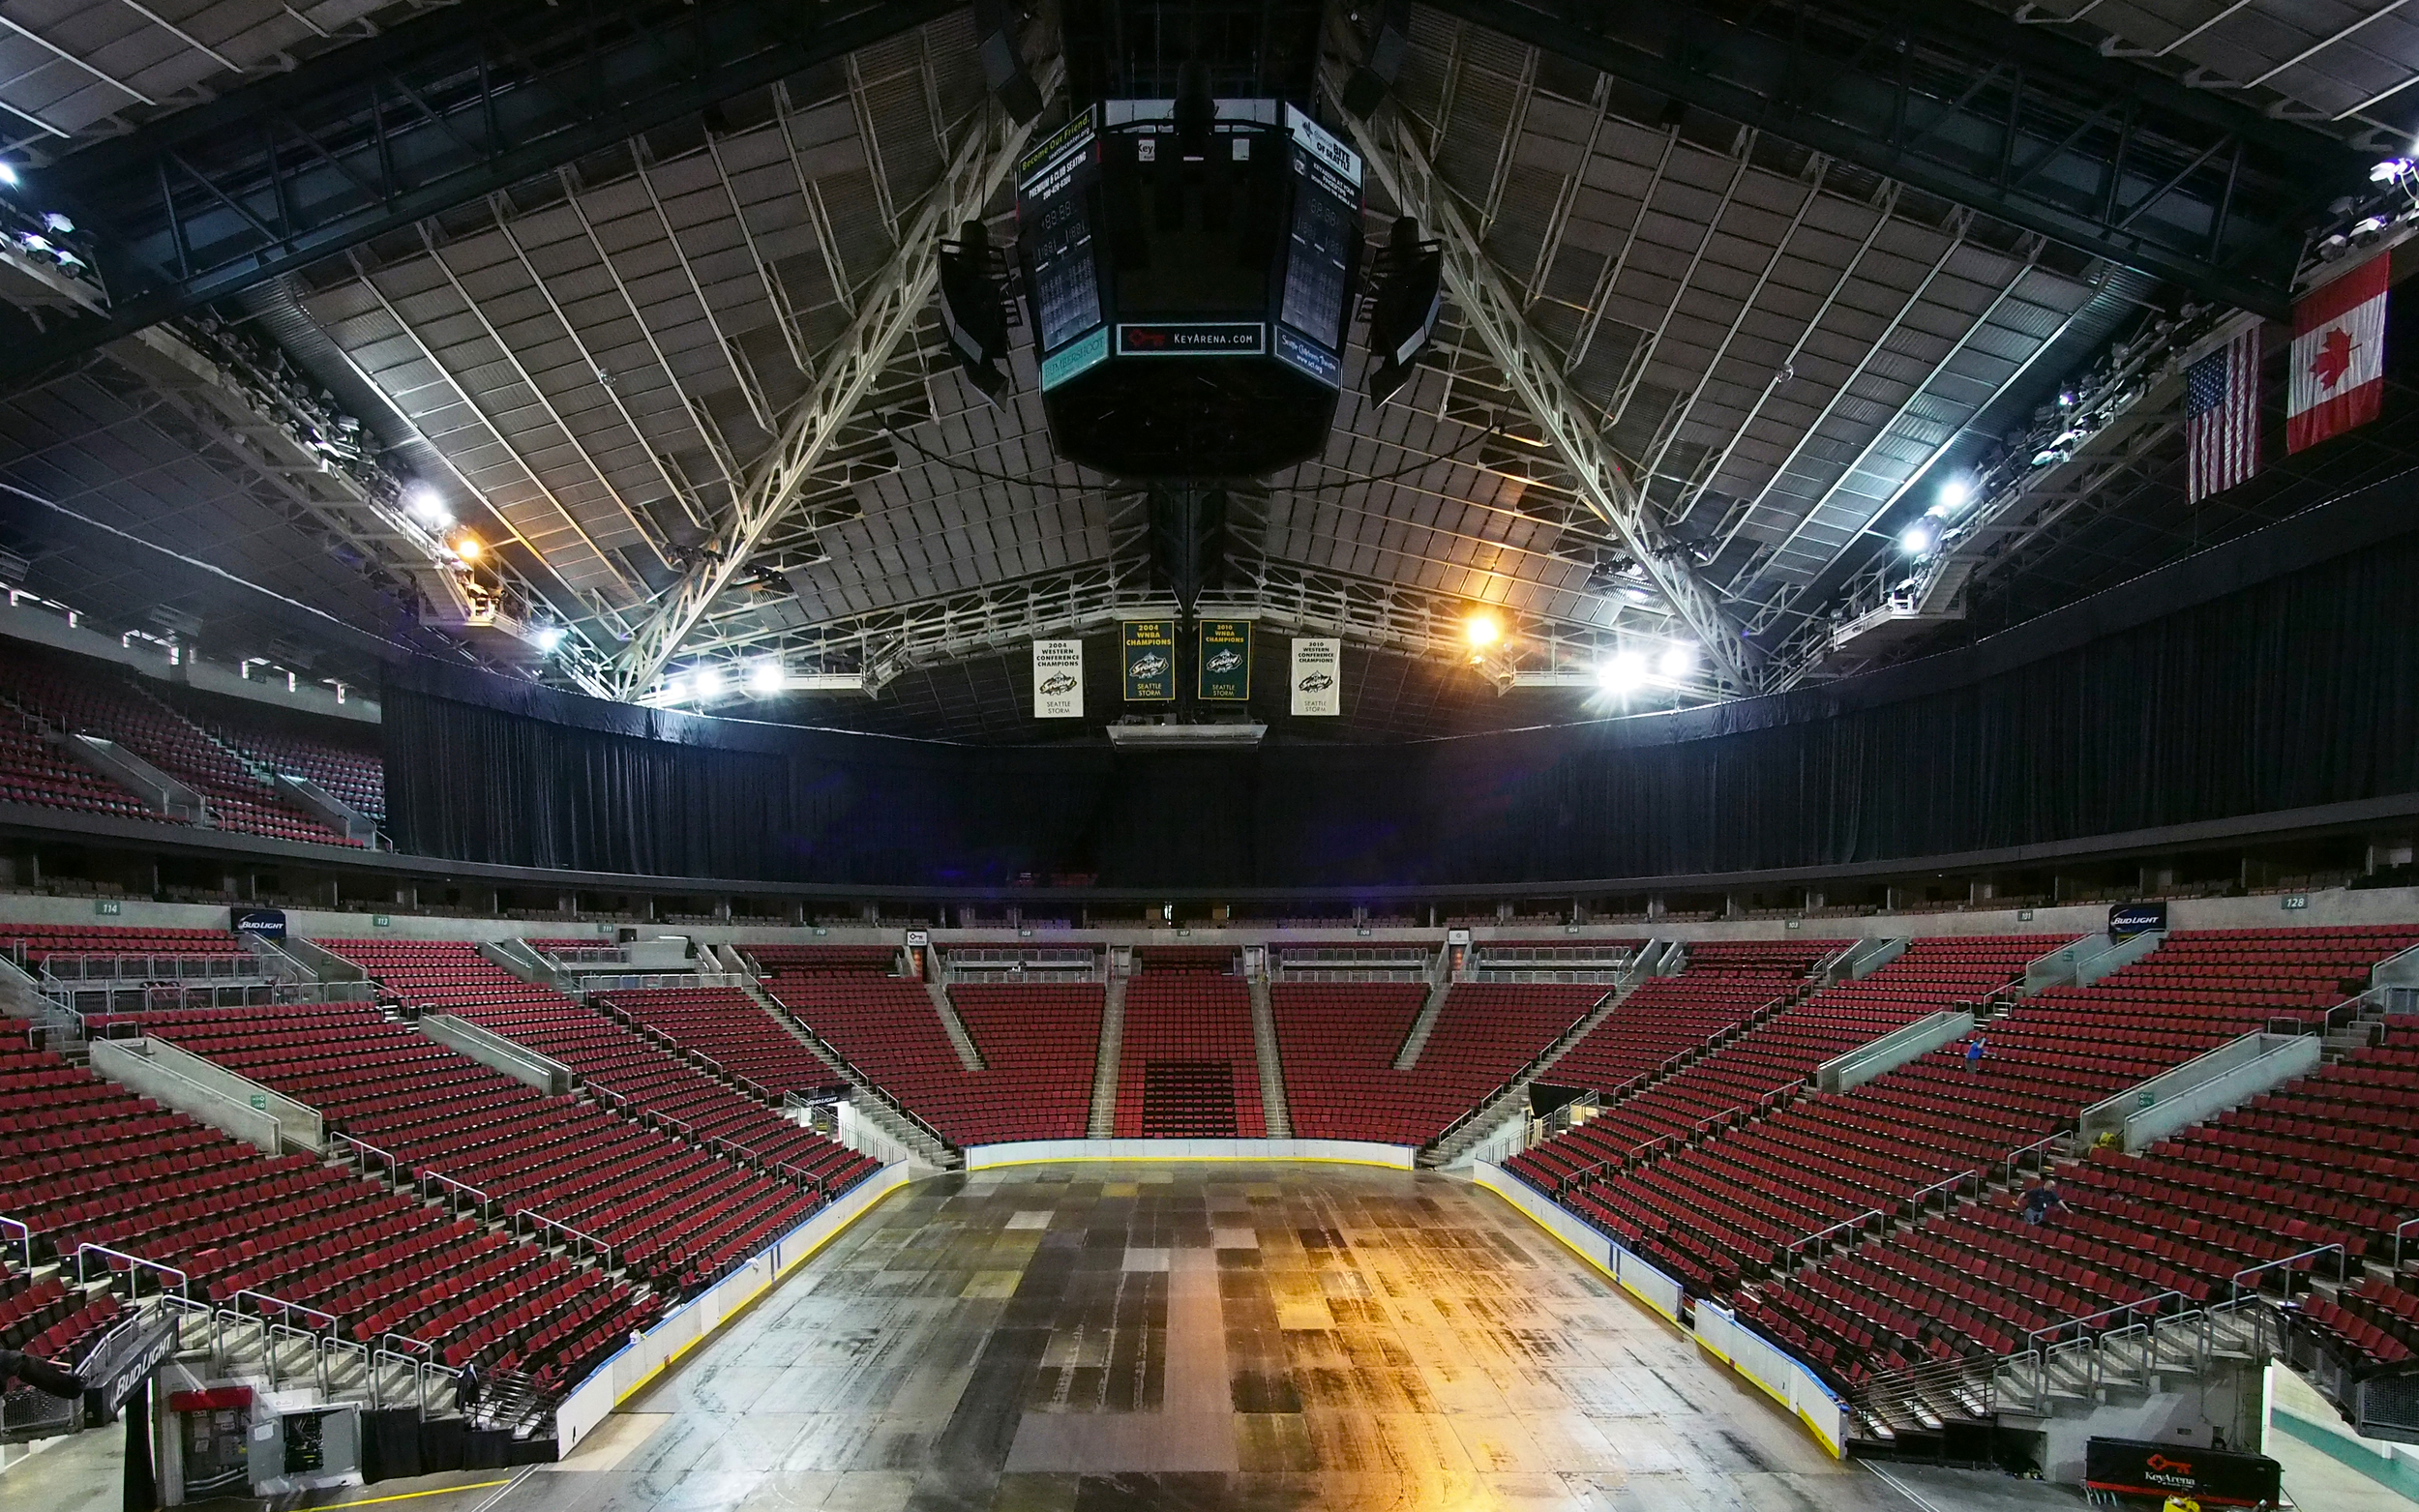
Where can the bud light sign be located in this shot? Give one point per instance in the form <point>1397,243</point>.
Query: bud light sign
<point>2129,919</point>
<point>260,923</point>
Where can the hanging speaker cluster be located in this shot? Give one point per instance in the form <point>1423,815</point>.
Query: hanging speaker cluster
<point>976,310</point>
<point>1406,293</point>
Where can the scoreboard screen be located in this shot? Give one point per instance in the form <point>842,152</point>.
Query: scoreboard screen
<point>1054,211</point>
<point>1323,248</point>
<point>1190,284</point>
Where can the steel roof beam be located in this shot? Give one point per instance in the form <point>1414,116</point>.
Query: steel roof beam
<point>1491,309</point>
<point>890,309</point>
<point>377,136</point>
<point>2040,131</point>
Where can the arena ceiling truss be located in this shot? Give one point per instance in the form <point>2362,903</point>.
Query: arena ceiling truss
<point>640,293</point>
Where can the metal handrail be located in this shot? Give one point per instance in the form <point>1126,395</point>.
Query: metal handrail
<point>1795,1246</point>
<point>24,1235</point>
<point>1919,1198</point>
<point>2400,1229</point>
<point>480,1202</point>
<point>183,1282</point>
<point>2010,1159</point>
<point>394,1163</point>
<point>588,1242</point>
<point>325,1319</point>
<point>2342,1260</point>
<point>2085,1320</point>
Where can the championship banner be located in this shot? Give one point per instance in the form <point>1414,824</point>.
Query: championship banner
<point>1150,648</point>
<point>1317,677</point>
<point>1225,661</point>
<point>1057,679</point>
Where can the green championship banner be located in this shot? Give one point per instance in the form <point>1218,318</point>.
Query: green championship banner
<point>1225,660</point>
<point>1150,661</point>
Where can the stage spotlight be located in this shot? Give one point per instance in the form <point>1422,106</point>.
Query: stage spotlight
<point>546,637</point>
<point>8,175</point>
<point>1481,629</point>
<point>766,678</point>
<point>469,547</point>
<point>1917,537</point>
<point>708,682</point>
<point>1623,673</point>
<point>1678,661</point>
<point>1955,492</point>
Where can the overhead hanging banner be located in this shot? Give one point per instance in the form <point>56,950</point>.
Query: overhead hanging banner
<point>1318,676</point>
<point>1057,679</point>
<point>1225,660</point>
<point>1150,646</point>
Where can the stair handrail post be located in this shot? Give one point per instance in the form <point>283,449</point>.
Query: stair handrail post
<point>2288,1265</point>
<point>2400,1229</point>
<point>183,1283</point>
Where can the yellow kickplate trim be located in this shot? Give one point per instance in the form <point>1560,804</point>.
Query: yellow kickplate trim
<point>406,1496</point>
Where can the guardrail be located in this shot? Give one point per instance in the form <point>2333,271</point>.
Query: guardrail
<point>130,1262</point>
<point>1794,1250</point>
<point>1917,1200</point>
<point>20,1233</point>
<point>68,970</point>
<point>2288,1266</point>
<point>2400,1229</point>
<point>588,1244</point>
<point>285,1309</point>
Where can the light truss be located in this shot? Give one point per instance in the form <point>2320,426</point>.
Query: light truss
<point>1492,310</point>
<point>1093,596</point>
<point>2122,412</point>
<point>889,310</point>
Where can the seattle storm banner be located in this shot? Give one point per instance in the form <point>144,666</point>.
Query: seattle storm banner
<point>1225,660</point>
<point>1150,646</point>
<point>1057,679</point>
<point>1318,676</point>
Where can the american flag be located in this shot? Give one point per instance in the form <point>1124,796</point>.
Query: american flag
<point>2221,418</point>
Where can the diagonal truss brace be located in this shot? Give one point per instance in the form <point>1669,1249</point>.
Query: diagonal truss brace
<point>887,312</point>
<point>1491,309</point>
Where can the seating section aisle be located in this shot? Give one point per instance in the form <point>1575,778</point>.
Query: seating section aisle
<point>1780,1056</point>
<point>81,696</point>
<point>725,1025</point>
<point>85,1161</point>
<point>637,1075</point>
<point>1723,985</point>
<point>1719,1211</point>
<point>2326,1159</point>
<point>32,771</point>
<point>672,1212</point>
<point>1036,1043</point>
<point>1337,1045</point>
<point>1039,1044</point>
<point>345,758</point>
<point>1187,1066</point>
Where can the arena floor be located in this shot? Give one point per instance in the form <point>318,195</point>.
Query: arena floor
<point>1095,1337</point>
<point>1100,1338</point>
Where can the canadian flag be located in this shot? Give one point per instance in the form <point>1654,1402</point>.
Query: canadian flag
<point>2338,357</point>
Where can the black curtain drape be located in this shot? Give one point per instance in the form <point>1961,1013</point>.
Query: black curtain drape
<point>2201,695</point>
